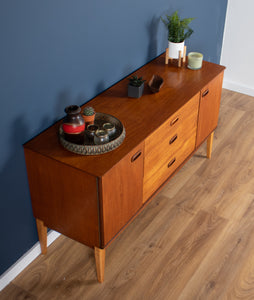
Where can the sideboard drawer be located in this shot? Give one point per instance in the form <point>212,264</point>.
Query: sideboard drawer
<point>155,179</point>
<point>168,146</point>
<point>180,123</point>
<point>157,156</point>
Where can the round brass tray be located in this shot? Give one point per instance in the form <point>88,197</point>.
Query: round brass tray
<point>89,148</point>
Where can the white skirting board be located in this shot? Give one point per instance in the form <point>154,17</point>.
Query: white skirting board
<point>234,86</point>
<point>25,260</point>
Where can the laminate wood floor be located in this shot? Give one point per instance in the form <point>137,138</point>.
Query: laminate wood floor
<point>195,240</point>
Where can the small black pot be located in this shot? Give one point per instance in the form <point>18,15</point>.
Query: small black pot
<point>134,91</point>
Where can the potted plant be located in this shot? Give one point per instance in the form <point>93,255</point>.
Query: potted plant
<point>135,86</point>
<point>88,115</point>
<point>178,32</point>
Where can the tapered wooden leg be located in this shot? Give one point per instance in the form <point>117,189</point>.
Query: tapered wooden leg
<point>180,59</point>
<point>184,54</point>
<point>100,263</point>
<point>166,57</point>
<point>42,233</point>
<point>210,145</point>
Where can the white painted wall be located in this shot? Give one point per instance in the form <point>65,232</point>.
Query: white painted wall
<point>238,47</point>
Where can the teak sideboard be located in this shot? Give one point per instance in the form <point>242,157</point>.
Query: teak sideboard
<point>91,199</point>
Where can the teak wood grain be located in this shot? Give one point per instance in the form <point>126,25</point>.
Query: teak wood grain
<point>156,179</point>
<point>64,198</point>
<point>100,263</point>
<point>168,136</point>
<point>119,207</point>
<point>42,234</point>
<point>193,241</point>
<point>140,117</point>
<point>91,199</point>
<point>167,143</point>
<point>210,97</point>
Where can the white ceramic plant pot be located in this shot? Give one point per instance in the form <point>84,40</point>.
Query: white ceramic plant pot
<point>174,49</point>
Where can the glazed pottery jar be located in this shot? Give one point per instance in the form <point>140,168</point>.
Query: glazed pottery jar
<point>91,129</point>
<point>101,137</point>
<point>110,128</point>
<point>73,125</point>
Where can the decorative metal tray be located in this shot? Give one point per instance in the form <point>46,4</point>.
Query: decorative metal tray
<point>89,148</point>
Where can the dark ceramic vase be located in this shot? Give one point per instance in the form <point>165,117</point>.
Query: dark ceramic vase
<point>73,125</point>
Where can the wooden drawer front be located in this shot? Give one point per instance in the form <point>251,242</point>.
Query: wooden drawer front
<point>159,155</point>
<point>169,139</point>
<point>160,174</point>
<point>178,121</point>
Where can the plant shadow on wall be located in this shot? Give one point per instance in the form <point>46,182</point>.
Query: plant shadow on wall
<point>152,30</point>
<point>64,99</point>
<point>100,87</point>
<point>17,225</point>
<point>18,228</point>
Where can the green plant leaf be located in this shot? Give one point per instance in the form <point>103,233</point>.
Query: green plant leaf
<point>178,30</point>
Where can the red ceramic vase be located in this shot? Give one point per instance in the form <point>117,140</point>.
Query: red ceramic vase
<point>73,125</point>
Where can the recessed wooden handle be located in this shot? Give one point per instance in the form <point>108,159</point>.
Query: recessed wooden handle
<point>172,140</point>
<point>171,162</point>
<point>136,156</point>
<point>174,121</point>
<point>206,92</point>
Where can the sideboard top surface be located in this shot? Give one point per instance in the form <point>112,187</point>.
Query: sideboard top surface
<point>140,117</point>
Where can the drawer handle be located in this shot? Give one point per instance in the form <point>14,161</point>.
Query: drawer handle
<point>172,140</point>
<point>136,156</point>
<point>206,92</point>
<point>171,162</point>
<point>174,121</point>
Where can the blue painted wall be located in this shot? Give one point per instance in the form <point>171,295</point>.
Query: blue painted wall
<point>56,53</point>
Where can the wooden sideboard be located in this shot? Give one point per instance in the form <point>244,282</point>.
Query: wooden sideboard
<point>91,199</point>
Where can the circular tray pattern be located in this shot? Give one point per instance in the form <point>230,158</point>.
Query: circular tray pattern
<point>89,148</point>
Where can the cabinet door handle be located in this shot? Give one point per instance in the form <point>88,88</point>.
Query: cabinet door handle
<point>171,162</point>
<point>136,156</point>
<point>174,121</point>
<point>172,140</point>
<point>206,92</point>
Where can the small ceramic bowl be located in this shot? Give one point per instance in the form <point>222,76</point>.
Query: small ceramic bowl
<point>101,137</point>
<point>110,128</point>
<point>91,129</point>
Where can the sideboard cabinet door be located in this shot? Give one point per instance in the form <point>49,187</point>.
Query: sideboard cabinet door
<point>64,198</point>
<point>121,193</point>
<point>209,106</point>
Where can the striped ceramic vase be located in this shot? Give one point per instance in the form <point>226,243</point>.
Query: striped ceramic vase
<point>73,125</point>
